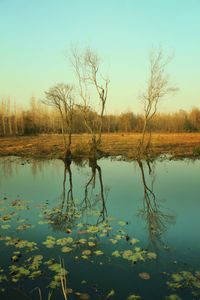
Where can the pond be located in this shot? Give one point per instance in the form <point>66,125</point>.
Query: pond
<point>106,229</point>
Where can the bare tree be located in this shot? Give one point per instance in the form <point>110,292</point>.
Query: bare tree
<point>3,117</point>
<point>87,65</point>
<point>9,114</point>
<point>93,63</point>
<point>158,86</point>
<point>61,97</point>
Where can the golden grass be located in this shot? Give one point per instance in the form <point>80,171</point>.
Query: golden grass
<point>51,146</point>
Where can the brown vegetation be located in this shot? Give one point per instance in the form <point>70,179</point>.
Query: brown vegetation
<point>77,115</point>
<point>39,118</point>
<point>51,146</point>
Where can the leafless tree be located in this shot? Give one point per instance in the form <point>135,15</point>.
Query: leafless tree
<point>9,114</point>
<point>158,86</point>
<point>87,64</point>
<point>62,98</point>
<point>3,117</point>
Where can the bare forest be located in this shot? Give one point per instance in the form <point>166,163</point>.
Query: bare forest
<point>38,118</point>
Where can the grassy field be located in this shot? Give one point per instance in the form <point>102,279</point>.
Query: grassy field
<point>51,146</point>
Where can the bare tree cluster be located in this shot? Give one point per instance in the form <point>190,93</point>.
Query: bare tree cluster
<point>82,108</point>
<point>87,68</point>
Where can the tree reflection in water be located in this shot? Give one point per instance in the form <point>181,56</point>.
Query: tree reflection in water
<point>65,215</point>
<point>91,202</point>
<point>155,216</point>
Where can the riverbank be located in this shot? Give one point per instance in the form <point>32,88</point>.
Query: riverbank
<point>178,145</point>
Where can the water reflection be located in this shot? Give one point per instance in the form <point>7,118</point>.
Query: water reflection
<point>155,216</point>
<point>64,215</point>
<point>89,193</point>
<point>94,199</point>
<point>7,166</point>
<point>91,201</point>
<point>37,166</point>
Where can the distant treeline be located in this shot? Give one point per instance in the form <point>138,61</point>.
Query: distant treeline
<point>40,118</point>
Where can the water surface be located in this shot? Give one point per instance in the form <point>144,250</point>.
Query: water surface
<point>137,220</point>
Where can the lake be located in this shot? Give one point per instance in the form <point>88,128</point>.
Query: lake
<point>106,229</point>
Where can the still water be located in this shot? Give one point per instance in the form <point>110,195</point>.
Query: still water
<point>120,229</point>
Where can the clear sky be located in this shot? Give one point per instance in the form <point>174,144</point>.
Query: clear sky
<point>36,34</point>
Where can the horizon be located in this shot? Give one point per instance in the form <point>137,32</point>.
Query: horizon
<point>36,37</point>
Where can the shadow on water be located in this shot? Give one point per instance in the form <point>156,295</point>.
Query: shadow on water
<point>155,217</point>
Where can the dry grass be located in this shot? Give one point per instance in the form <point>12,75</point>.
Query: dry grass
<point>51,146</point>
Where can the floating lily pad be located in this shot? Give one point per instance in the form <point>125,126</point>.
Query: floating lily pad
<point>91,244</point>
<point>98,252</point>
<point>133,297</point>
<point>66,249</point>
<point>116,253</point>
<point>110,294</point>
<point>144,276</point>
<point>173,297</point>
<point>86,252</point>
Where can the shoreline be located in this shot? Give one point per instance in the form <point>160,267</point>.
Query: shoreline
<point>50,146</point>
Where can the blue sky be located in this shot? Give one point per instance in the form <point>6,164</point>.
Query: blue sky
<point>35,36</point>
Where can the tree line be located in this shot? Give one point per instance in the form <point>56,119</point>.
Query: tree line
<point>80,108</point>
<point>38,118</point>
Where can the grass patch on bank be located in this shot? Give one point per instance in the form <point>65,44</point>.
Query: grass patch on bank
<point>124,144</point>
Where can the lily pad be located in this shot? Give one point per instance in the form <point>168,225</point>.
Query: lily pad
<point>144,276</point>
